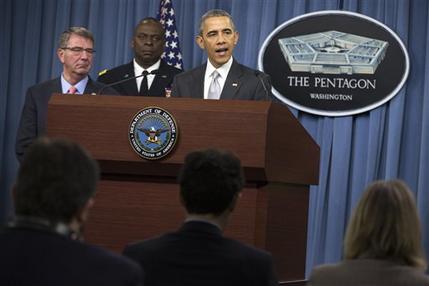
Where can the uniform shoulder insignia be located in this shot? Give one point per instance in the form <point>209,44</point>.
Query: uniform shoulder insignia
<point>102,72</point>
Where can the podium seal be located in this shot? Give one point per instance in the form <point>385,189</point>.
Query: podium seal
<point>153,133</point>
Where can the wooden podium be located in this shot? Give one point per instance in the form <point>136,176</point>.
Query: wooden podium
<point>137,198</point>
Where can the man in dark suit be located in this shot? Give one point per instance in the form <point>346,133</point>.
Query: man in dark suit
<point>222,77</point>
<point>148,44</point>
<point>42,246</point>
<point>75,51</point>
<point>198,253</point>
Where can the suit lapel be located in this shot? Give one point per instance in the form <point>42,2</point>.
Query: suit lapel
<point>198,81</point>
<point>55,86</point>
<point>130,86</point>
<point>232,83</point>
<point>42,103</point>
<point>90,87</point>
<point>161,80</point>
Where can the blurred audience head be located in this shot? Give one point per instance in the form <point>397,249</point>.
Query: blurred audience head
<point>55,182</point>
<point>385,225</point>
<point>210,182</point>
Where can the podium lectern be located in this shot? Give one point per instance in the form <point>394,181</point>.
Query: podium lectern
<point>138,198</point>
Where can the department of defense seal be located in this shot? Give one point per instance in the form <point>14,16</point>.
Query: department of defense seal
<point>153,133</point>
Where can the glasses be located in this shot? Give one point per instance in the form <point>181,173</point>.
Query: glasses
<point>79,50</point>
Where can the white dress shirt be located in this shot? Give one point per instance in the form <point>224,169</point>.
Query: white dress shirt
<point>150,77</point>
<point>223,72</point>
<point>80,86</point>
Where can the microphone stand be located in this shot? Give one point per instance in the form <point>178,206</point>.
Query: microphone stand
<point>154,72</point>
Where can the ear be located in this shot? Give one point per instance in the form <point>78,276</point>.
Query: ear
<point>200,41</point>
<point>60,54</point>
<point>132,44</point>
<point>234,201</point>
<point>237,36</point>
<point>82,215</point>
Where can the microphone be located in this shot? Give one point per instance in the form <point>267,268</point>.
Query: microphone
<point>126,78</point>
<point>262,78</point>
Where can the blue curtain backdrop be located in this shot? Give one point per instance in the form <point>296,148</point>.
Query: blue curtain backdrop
<point>387,142</point>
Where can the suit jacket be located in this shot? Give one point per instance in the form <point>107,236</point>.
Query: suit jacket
<point>241,83</point>
<point>198,254</point>
<point>44,258</point>
<point>34,113</point>
<point>162,80</point>
<point>367,272</point>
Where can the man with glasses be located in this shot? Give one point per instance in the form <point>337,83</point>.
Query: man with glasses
<point>75,52</point>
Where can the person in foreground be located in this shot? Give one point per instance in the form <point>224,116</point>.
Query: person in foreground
<point>76,53</point>
<point>148,44</point>
<point>382,244</point>
<point>42,246</point>
<point>222,77</point>
<point>197,253</point>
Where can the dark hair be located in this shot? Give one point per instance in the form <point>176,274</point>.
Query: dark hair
<point>209,181</point>
<point>149,20</point>
<point>386,225</point>
<point>80,31</point>
<point>55,180</point>
<point>215,13</point>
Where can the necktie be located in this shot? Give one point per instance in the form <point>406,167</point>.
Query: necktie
<point>214,88</point>
<point>144,90</point>
<point>72,90</point>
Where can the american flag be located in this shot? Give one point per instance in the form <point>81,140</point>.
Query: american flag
<point>172,54</point>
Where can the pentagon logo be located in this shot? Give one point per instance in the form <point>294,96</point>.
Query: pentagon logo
<point>334,63</point>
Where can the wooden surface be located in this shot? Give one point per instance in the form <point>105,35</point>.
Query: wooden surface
<point>268,139</point>
<point>138,199</point>
<point>145,209</point>
<point>273,217</point>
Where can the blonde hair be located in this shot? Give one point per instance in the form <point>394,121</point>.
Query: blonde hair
<point>385,225</point>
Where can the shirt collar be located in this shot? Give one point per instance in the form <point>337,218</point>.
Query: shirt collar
<point>223,69</point>
<point>193,219</point>
<point>139,69</point>
<point>37,223</point>
<point>80,86</point>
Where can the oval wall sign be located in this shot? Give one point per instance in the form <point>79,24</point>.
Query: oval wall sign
<point>334,63</point>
